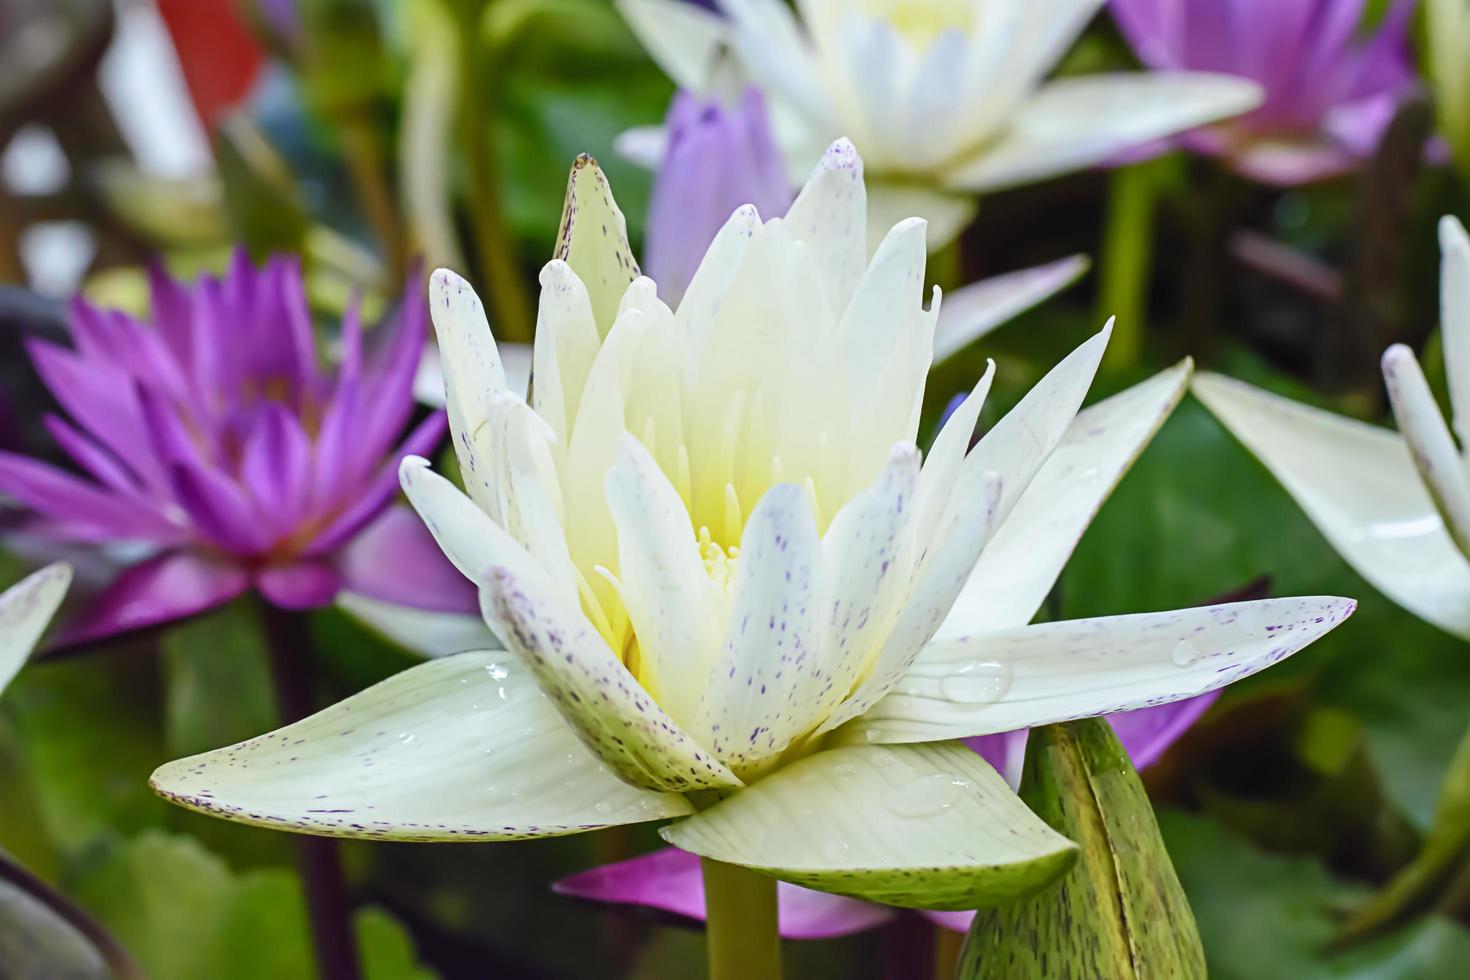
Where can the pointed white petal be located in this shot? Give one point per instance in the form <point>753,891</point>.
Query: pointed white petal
<point>1051,672</point>
<point>1017,446</point>
<point>1454,317</point>
<point>677,611</point>
<point>761,691</point>
<point>428,378</point>
<point>947,454</point>
<point>1430,444</point>
<point>889,297</point>
<point>463,748</point>
<point>923,826</point>
<point>424,631</point>
<point>830,215</point>
<point>473,376</point>
<point>940,573</point>
<point>593,240</point>
<point>1081,121</point>
<point>1358,485</point>
<point>592,689</point>
<point>683,38</point>
<point>973,311</point>
<point>25,609</point>
<point>567,342</point>
<point>471,541</point>
<point>1022,562</point>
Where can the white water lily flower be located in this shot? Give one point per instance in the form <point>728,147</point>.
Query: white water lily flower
<point>944,98</point>
<point>731,590</point>
<point>1395,506</point>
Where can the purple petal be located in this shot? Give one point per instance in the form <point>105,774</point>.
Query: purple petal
<point>953,921</point>
<point>395,559</point>
<point>1005,751</point>
<point>387,388</point>
<point>1147,733</point>
<point>275,468</point>
<point>301,585</point>
<point>217,508</point>
<point>86,511</point>
<point>670,880</point>
<point>94,458</point>
<point>160,590</point>
<point>173,312</point>
<point>374,497</point>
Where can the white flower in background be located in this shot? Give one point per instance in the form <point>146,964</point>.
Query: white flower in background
<point>945,99</point>
<point>731,590</point>
<point>1396,506</point>
<point>25,609</point>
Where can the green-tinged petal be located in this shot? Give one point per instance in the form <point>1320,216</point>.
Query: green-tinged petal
<point>972,311</point>
<point>424,631</point>
<point>1120,912</point>
<point>463,748</point>
<point>926,826</point>
<point>1050,672</point>
<point>1084,120</point>
<point>593,240</point>
<point>1359,486</point>
<point>1021,563</point>
<point>25,609</point>
<point>592,689</point>
<point>1454,314</point>
<point>1431,446</point>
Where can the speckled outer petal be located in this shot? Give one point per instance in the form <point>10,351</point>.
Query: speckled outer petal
<point>1021,563</point>
<point>25,609</point>
<point>593,240</point>
<point>830,214</point>
<point>760,693</point>
<point>1359,486</point>
<point>424,631</point>
<point>463,748</point>
<point>473,376</point>
<point>1430,444</point>
<point>1084,120</point>
<point>930,826</point>
<point>972,311</point>
<point>592,689</point>
<point>1051,672</point>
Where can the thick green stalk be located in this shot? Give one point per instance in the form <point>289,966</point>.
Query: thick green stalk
<point>1127,250</point>
<point>740,913</point>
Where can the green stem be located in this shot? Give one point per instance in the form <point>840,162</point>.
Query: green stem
<point>1126,252</point>
<point>495,249</point>
<point>740,917</point>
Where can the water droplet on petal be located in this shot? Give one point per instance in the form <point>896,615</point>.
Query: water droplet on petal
<point>844,769</point>
<point>1185,653</point>
<point>926,796</point>
<point>834,852</point>
<point>602,807</point>
<point>977,682</point>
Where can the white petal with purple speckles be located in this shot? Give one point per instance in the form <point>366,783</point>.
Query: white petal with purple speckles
<point>473,376</point>
<point>424,631</point>
<point>593,240</point>
<point>760,692</point>
<point>929,826</point>
<point>462,748</point>
<point>1359,486</point>
<point>831,213</point>
<point>593,690</point>
<point>676,609</point>
<point>25,609</point>
<point>939,576</point>
<point>1454,318</point>
<point>1051,672</point>
<point>566,345</point>
<point>1021,563</point>
<point>1431,446</point>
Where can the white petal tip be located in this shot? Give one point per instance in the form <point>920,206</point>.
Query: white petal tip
<point>1452,233</point>
<point>841,155</point>
<point>1397,357</point>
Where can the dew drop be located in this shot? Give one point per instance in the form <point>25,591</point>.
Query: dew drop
<point>882,759</point>
<point>845,769</point>
<point>1185,653</point>
<point>926,796</point>
<point>834,852</point>
<point>977,682</point>
<point>602,808</point>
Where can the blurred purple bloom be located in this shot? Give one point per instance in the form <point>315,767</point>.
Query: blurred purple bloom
<point>717,158</point>
<point>216,440</point>
<point>1329,92</point>
<point>670,880</point>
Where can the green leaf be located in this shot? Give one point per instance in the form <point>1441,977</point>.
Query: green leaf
<point>920,826</point>
<point>1120,912</point>
<point>184,914</point>
<point>219,681</point>
<point>1263,915</point>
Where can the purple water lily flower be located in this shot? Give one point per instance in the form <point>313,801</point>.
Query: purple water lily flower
<point>669,879</point>
<point>216,440</point>
<point>1329,91</point>
<point>717,158</point>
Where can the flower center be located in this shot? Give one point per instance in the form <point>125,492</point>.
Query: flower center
<point>920,22</point>
<point>720,562</point>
